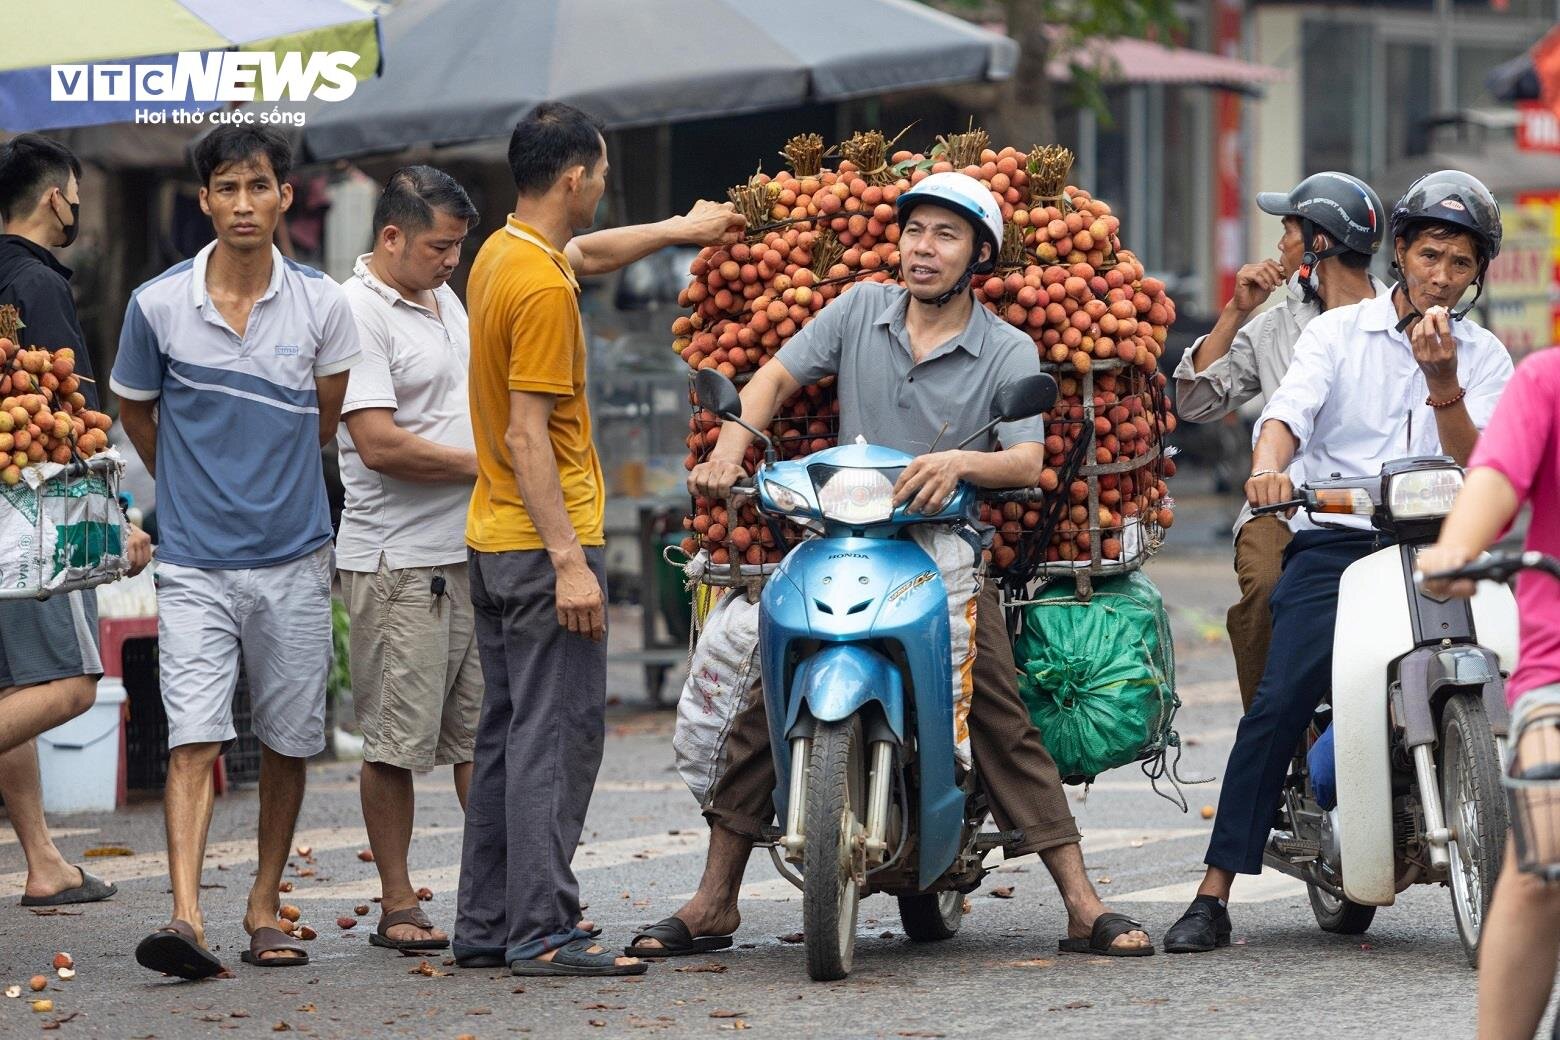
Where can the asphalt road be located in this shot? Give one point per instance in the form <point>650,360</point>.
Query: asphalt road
<point>642,855</point>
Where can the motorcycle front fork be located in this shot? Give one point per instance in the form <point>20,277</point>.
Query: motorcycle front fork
<point>880,786</point>
<point>1436,834</point>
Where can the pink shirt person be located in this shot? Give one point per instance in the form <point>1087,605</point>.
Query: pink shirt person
<point>1522,443</point>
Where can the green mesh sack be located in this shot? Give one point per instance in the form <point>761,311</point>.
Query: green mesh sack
<point>1099,677</point>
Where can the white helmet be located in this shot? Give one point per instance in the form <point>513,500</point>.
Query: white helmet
<point>967,197</point>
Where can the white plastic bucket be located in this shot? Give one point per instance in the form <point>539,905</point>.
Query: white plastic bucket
<point>79,761</point>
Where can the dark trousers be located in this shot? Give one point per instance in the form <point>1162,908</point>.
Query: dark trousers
<point>1019,775</point>
<point>1297,676</point>
<point>539,744</point>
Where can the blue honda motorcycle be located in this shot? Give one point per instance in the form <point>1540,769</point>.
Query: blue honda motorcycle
<point>855,658</point>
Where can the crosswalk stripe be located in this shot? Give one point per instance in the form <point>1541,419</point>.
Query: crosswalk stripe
<point>425,786</point>
<point>1095,841</point>
<point>9,838</point>
<point>144,865</point>
<point>1267,887</point>
<point>591,856</point>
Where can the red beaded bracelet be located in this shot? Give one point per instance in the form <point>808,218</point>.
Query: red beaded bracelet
<point>1433,403</point>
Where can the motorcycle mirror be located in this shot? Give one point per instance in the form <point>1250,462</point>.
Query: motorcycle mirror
<point>718,394</point>
<point>1024,399</point>
<point>1030,396</point>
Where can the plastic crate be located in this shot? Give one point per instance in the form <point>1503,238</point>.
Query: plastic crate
<point>146,741</point>
<point>146,734</point>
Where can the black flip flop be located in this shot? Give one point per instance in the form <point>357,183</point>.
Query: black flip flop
<point>676,941</point>
<point>1107,929</point>
<point>273,940</point>
<point>173,950</point>
<point>414,916</point>
<point>91,890</point>
<point>575,958</point>
<point>492,957</point>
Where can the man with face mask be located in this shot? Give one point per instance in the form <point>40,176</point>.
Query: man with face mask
<point>49,663</point>
<point>1401,375</point>
<point>40,202</point>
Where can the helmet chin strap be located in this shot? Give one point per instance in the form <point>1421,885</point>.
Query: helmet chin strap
<point>1309,262</point>
<point>1415,315</point>
<point>1478,291</point>
<point>959,288</point>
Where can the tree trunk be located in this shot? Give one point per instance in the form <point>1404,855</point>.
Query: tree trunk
<point>1023,113</point>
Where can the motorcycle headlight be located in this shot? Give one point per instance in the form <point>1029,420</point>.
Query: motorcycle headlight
<point>786,499</point>
<point>1423,494</point>
<point>855,496</point>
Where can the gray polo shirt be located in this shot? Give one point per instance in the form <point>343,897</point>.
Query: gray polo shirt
<point>890,400</point>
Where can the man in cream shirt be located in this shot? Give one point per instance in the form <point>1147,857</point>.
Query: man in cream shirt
<point>1333,226</point>
<point>407,466</point>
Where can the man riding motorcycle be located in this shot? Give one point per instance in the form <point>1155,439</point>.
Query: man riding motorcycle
<point>1333,226</point>
<point>1401,375</point>
<point>918,366</point>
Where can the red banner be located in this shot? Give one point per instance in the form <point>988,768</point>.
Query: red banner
<point>1228,242</point>
<point>1538,127</point>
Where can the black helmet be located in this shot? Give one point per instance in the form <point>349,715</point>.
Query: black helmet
<point>1344,207</point>
<point>1452,197</point>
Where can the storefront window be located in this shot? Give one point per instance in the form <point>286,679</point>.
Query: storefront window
<point>1110,158</point>
<point>1180,186</point>
<point>1410,100</point>
<point>1335,68</point>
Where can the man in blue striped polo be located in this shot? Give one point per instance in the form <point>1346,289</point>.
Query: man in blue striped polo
<point>231,372</point>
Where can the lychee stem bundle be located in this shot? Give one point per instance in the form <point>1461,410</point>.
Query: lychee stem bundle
<point>804,153</point>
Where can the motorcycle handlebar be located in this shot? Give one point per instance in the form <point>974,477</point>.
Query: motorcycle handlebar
<point>1500,567</point>
<point>1279,507</point>
<point>1022,496</point>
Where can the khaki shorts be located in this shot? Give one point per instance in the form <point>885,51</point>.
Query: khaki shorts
<point>416,676</point>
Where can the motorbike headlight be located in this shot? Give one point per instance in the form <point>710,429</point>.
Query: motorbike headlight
<point>1423,494</point>
<point>855,496</point>
<point>786,499</point>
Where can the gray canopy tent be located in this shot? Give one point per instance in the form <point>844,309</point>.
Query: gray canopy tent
<point>465,70</point>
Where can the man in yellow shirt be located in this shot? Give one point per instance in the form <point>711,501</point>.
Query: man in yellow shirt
<point>537,559</point>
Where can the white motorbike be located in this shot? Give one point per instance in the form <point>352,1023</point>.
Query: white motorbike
<point>1416,719</point>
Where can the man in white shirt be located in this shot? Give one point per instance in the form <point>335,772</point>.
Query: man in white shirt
<point>1333,225</point>
<point>407,467</point>
<point>1360,392</point>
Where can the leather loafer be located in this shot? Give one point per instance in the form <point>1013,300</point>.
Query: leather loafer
<point>1201,929</point>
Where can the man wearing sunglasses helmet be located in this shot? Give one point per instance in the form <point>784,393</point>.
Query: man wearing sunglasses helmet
<point>1398,376</point>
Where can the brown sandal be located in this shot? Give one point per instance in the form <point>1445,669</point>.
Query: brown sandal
<point>174,950</point>
<point>412,915</point>
<point>274,940</point>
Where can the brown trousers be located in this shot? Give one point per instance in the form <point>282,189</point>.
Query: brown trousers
<point>1019,775</point>
<point>1259,559</point>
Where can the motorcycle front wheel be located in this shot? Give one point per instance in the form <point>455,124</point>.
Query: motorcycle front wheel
<point>834,856</point>
<point>1339,916</point>
<point>931,916</point>
<point>1474,805</point>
